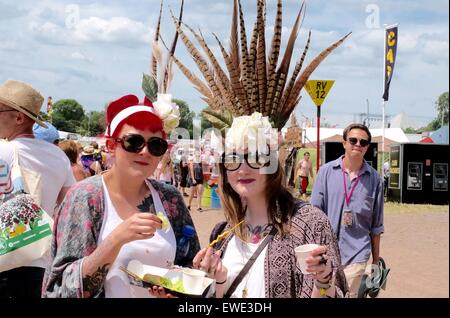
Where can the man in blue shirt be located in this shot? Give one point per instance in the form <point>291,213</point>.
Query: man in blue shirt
<point>350,192</point>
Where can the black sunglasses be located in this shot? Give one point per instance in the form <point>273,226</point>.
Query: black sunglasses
<point>362,142</point>
<point>135,143</point>
<point>233,161</point>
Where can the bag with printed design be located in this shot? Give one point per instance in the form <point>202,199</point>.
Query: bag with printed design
<point>25,228</point>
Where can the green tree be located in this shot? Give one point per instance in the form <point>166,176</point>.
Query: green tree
<point>442,109</point>
<point>93,124</point>
<point>67,115</point>
<point>186,115</point>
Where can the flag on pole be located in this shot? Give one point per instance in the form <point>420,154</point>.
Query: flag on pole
<point>49,105</point>
<point>390,53</point>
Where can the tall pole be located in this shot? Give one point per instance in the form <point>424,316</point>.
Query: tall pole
<point>382,142</point>
<point>318,139</point>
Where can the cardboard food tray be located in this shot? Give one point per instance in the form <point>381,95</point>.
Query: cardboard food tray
<point>146,276</point>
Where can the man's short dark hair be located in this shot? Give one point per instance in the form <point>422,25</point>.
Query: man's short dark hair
<point>306,153</point>
<point>357,126</point>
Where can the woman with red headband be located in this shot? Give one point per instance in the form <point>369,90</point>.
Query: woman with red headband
<point>110,219</point>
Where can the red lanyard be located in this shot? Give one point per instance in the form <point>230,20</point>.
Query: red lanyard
<point>348,197</point>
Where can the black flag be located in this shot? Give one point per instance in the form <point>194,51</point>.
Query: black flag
<point>390,53</point>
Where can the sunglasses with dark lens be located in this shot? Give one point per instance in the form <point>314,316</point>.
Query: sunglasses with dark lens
<point>135,143</point>
<point>233,161</point>
<point>362,142</point>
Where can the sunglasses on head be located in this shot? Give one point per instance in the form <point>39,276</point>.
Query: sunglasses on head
<point>233,161</point>
<point>135,143</point>
<point>362,142</point>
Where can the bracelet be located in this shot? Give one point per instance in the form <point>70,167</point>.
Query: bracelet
<point>221,283</point>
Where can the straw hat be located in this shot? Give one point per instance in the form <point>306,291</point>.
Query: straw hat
<point>88,150</point>
<point>23,98</point>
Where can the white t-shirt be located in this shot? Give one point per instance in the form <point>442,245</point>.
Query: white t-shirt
<point>48,160</point>
<point>157,251</point>
<point>236,256</point>
<point>45,158</point>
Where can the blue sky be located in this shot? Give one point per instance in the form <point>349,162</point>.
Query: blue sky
<point>96,51</point>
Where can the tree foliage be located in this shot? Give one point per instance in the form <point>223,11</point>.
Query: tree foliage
<point>442,108</point>
<point>67,115</point>
<point>93,124</point>
<point>186,115</point>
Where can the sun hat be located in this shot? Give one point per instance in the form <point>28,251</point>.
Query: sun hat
<point>23,98</point>
<point>88,150</point>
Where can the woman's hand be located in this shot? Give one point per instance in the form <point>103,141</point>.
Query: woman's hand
<point>139,226</point>
<point>319,265</point>
<point>159,292</point>
<point>209,261</point>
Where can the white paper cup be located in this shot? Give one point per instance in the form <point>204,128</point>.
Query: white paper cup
<point>193,280</point>
<point>301,253</point>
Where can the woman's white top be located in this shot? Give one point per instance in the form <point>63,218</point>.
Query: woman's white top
<point>156,251</point>
<point>236,256</point>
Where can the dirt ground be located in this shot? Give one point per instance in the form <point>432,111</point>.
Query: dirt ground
<point>415,246</point>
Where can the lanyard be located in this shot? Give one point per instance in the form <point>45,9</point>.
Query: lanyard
<point>348,197</point>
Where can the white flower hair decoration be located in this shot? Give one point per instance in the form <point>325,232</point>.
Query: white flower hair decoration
<point>253,133</point>
<point>167,111</point>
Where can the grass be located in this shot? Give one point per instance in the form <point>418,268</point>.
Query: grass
<point>401,208</point>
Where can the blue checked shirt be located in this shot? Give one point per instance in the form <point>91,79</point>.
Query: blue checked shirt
<point>366,204</point>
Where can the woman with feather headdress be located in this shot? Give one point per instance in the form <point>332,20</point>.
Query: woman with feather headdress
<point>256,258</point>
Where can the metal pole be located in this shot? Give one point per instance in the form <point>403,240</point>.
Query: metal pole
<point>318,139</point>
<point>382,142</point>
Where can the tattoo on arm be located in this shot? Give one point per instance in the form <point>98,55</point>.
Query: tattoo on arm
<point>147,205</point>
<point>93,283</point>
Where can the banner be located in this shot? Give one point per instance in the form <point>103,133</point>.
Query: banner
<point>390,53</point>
<point>49,105</point>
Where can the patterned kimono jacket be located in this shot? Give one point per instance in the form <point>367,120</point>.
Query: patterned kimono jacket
<point>283,278</point>
<point>77,229</point>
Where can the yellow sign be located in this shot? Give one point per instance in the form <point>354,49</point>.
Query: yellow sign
<point>318,90</point>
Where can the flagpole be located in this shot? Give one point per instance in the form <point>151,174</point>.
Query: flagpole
<point>382,141</point>
<point>383,103</point>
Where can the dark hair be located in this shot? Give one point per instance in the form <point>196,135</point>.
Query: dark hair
<point>275,192</point>
<point>357,126</point>
<point>306,153</point>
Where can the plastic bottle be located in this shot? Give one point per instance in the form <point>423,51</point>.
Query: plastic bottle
<point>185,241</point>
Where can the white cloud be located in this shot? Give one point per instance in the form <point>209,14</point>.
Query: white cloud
<point>8,45</point>
<point>116,29</point>
<point>80,56</point>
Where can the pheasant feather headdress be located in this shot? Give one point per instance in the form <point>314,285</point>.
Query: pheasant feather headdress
<point>255,82</point>
<point>156,86</point>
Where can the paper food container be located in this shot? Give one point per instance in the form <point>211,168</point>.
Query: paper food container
<point>180,282</point>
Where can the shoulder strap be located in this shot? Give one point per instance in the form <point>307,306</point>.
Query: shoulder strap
<point>249,263</point>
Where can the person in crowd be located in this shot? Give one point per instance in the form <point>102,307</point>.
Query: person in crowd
<point>70,148</point>
<point>164,171</point>
<point>350,192</point>
<point>40,162</point>
<point>184,170</point>
<point>113,218</point>
<point>302,172</point>
<point>91,161</point>
<point>196,177</point>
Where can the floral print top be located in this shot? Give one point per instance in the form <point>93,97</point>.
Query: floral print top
<point>77,227</point>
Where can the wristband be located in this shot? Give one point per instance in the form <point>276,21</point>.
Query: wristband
<point>221,283</point>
